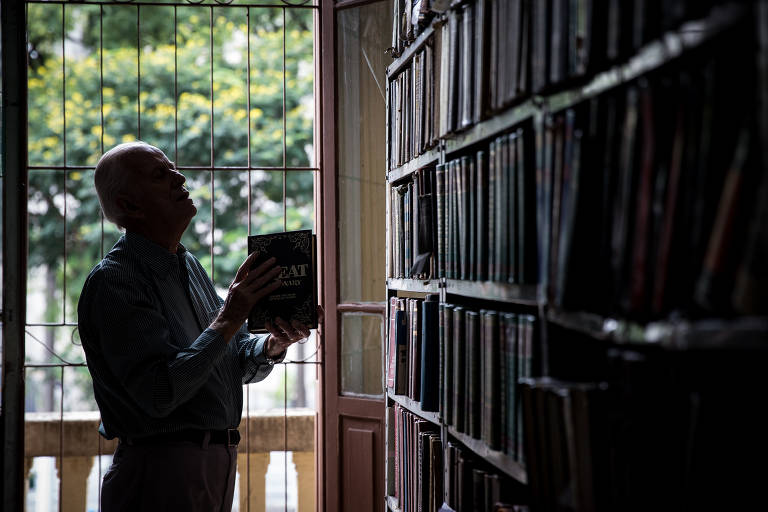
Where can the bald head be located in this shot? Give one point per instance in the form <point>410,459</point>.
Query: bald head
<point>113,176</point>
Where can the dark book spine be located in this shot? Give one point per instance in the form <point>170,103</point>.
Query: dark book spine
<point>500,224</point>
<point>401,335</point>
<point>512,234</point>
<point>459,364</point>
<point>525,364</point>
<point>467,52</point>
<point>430,354</point>
<point>481,240</point>
<point>492,205</point>
<point>416,306</point>
<point>449,227</point>
<point>448,364</point>
<point>510,334</point>
<point>441,220</point>
<point>514,40</point>
<point>526,208</point>
<point>557,177</point>
<point>638,292</point>
<point>481,60</point>
<point>392,344</point>
<point>471,209</point>
<point>473,357</point>
<point>568,203</point>
<point>624,201</point>
<point>492,398</point>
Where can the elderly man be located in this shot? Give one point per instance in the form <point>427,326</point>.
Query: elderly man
<point>167,358</point>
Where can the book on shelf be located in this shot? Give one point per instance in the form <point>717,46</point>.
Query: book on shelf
<point>296,299</point>
<point>430,354</point>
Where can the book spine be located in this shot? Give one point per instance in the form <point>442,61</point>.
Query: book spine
<point>474,398</point>
<point>481,239</point>
<point>459,364</point>
<point>512,232</point>
<point>472,216</point>
<point>401,370</point>
<point>448,364</point>
<point>430,353</point>
<point>441,226</point>
<point>392,345</point>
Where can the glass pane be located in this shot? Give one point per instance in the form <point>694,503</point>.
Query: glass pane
<point>361,128</point>
<point>300,200</point>
<point>83,236</point>
<point>83,104</point>
<point>230,118</point>
<point>194,86</point>
<point>266,116</point>
<point>120,61</point>
<point>158,106</point>
<point>45,263</point>
<point>197,237</point>
<point>266,202</point>
<point>230,207</point>
<point>46,111</point>
<point>361,356</point>
<point>299,79</point>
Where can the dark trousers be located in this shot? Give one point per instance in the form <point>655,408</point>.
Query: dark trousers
<point>182,476</point>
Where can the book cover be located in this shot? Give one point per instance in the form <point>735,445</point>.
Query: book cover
<point>296,299</point>
<point>474,398</point>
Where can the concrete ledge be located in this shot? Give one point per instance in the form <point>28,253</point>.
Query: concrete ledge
<point>267,431</point>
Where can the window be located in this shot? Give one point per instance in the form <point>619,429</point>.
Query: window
<point>227,91</point>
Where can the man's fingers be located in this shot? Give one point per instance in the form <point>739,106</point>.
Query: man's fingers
<point>300,328</point>
<point>255,279</point>
<point>245,268</point>
<point>263,291</point>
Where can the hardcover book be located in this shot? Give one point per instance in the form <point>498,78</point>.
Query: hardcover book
<point>296,299</point>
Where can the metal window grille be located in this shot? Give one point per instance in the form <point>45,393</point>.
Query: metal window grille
<point>60,176</point>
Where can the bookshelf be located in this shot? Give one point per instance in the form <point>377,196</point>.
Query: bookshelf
<point>568,281</point>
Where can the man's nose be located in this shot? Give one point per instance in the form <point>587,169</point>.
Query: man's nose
<point>178,178</point>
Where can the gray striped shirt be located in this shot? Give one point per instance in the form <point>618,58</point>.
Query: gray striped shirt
<point>143,319</point>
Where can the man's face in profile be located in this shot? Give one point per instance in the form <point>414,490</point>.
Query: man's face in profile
<point>158,190</point>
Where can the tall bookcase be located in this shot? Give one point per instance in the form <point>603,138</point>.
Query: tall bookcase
<point>576,225</point>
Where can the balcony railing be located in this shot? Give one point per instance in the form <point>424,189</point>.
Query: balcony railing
<point>75,443</point>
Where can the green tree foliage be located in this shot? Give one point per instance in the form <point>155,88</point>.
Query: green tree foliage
<point>189,95</point>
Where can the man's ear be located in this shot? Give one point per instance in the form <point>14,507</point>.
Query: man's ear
<point>128,206</point>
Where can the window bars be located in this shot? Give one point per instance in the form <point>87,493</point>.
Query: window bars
<point>240,151</point>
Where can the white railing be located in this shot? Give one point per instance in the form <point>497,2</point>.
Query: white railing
<point>75,443</point>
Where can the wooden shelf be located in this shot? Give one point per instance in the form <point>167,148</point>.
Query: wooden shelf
<point>431,156</point>
<point>527,294</point>
<point>500,460</point>
<point>401,61</point>
<point>414,285</point>
<point>491,126</point>
<point>745,333</point>
<point>414,407</point>
<point>652,56</point>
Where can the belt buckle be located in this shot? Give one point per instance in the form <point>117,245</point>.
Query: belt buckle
<point>233,437</point>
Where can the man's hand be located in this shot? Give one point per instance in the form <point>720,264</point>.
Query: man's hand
<point>284,334</point>
<point>248,288</point>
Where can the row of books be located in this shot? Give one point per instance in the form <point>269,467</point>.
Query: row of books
<point>413,231</point>
<point>645,432</point>
<point>646,194</point>
<point>414,107</point>
<point>486,212</point>
<point>484,354</point>
<point>417,453</point>
<point>470,485</point>
<point>413,350</point>
<point>489,54</point>
<point>472,218</point>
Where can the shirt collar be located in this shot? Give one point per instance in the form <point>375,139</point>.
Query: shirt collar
<point>157,258</point>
